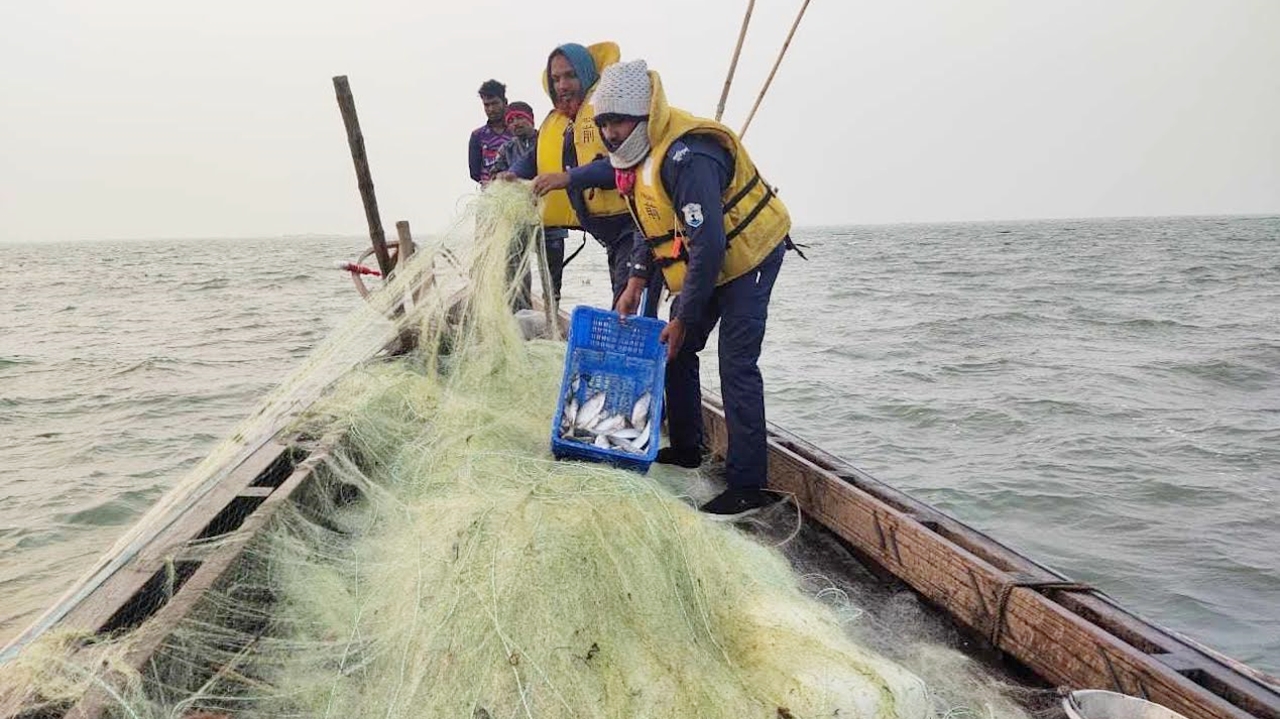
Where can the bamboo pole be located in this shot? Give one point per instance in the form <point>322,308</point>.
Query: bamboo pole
<point>347,104</point>
<point>774,71</point>
<point>733,64</point>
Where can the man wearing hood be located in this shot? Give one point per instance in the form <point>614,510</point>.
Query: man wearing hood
<point>563,174</point>
<point>718,232</point>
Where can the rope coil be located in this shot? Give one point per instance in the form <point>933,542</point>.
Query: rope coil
<point>1006,589</point>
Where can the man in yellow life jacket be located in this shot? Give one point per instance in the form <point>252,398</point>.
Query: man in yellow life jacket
<point>574,196</point>
<point>718,232</point>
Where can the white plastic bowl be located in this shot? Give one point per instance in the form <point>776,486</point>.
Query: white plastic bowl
<point>1098,704</point>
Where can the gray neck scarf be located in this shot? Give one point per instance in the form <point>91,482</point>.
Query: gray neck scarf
<point>633,149</point>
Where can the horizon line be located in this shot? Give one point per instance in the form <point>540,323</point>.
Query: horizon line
<point>891,223</point>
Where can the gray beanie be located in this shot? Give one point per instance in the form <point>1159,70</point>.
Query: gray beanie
<point>624,89</point>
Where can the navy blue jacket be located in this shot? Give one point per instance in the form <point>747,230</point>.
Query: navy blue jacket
<point>697,172</point>
<point>611,229</point>
<point>608,230</point>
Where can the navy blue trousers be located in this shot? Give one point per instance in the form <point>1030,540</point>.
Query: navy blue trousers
<point>741,307</point>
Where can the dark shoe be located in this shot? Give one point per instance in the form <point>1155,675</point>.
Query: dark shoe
<point>734,504</point>
<point>690,458</point>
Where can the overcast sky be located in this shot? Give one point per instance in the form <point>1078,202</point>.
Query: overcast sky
<point>162,118</point>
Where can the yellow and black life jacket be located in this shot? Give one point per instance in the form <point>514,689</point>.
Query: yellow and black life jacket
<point>588,147</point>
<point>755,220</point>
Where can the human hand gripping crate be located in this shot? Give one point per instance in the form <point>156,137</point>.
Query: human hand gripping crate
<point>610,405</point>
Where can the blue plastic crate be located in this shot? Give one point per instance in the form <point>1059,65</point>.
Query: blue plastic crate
<point>624,360</point>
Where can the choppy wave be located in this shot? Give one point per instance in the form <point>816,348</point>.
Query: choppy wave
<point>1233,373</point>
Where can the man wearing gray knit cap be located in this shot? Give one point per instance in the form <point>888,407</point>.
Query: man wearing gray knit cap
<point>719,232</point>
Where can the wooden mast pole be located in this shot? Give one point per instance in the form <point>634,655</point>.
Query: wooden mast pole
<point>347,104</point>
<point>407,248</point>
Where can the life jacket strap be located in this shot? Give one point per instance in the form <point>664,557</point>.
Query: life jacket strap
<point>795,246</point>
<point>733,201</point>
<point>737,230</point>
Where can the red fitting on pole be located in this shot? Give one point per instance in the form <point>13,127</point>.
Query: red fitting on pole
<point>357,269</point>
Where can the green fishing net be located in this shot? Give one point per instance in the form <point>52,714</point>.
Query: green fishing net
<point>441,564</point>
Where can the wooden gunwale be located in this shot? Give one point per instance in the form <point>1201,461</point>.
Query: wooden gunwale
<point>149,636</point>
<point>1070,638</point>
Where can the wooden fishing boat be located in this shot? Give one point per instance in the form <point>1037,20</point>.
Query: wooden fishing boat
<point>1039,624</point>
<point>1042,625</point>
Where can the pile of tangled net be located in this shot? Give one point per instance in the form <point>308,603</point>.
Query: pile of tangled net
<point>444,565</point>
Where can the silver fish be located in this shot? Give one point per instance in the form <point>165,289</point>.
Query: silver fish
<point>643,440</point>
<point>571,412</point>
<point>609,424</point>
<point>623,444</point>
<point>640,411</point>
<point>590,411</point>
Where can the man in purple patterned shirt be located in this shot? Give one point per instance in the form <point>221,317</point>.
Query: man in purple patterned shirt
<point>488,139</point>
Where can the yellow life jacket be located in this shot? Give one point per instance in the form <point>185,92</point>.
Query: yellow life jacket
<point>588,147</point>
<point>755,220</point>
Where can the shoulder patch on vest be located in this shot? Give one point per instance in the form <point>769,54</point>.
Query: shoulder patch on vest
<point>692,214</point>
<point>678,152</point>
